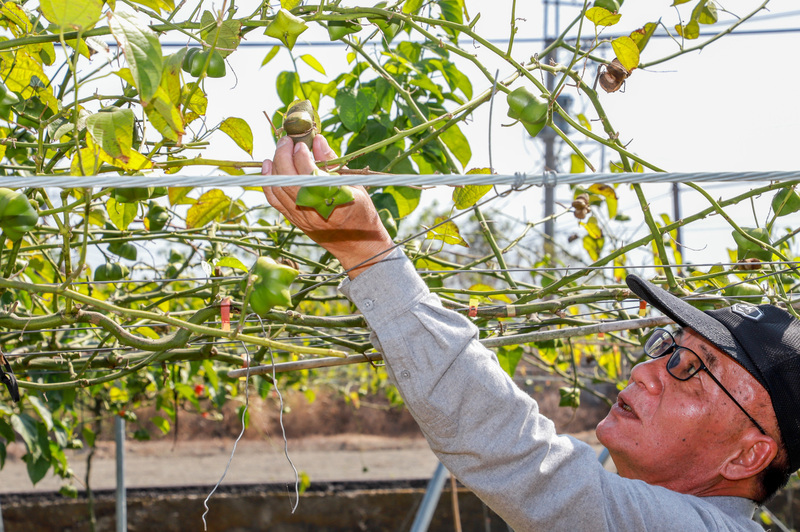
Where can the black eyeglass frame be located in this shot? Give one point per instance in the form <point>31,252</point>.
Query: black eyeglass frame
<point>674,351</point>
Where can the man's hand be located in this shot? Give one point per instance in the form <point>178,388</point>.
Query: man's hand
<point>353,233</point>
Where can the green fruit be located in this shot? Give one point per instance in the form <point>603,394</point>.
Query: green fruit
<point>125,250</point>
<point>216,64</point>
<point>270,285</point>
<point>17,215</point>
<point>526,107</point>
<point>324,199</point>
<point>131,195</point>
<point>747,249</point>
<point>111,271</point>
<point>157,217</point>
<point>186,65</point>
<point>342,28</point>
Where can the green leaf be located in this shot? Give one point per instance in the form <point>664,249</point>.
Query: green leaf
<point>290,4</point>
<point>447,232</point>
<point>72,14</point>
<point>602,17</point>
<point>113,131</point>
<point>467,196</point>
<point>412,6</point>
<point>6,431</point>
<point>355,106</point>
<point>406,199</point>
<point>208,207</point>
<point>161,424</point>
<point>689,31</point>
<point>232,262</point>
<point>121,214</point>
<point>626,51</point>
<point>270,55</point>
<point>42,410</point>
<point>37,468</point>
<point>286,28</point>
<point>509,357</point>
<point>458,144</point>
<point>311,61</point>
<point>786,201</point>
<point>708,15</point>
<point>239,131</point>
<point>225,37</point>
<point>142,51</point>
<point>177,196</point>
<point>165,115</point>
<point>26,427</point>
<point>199,101</point>
<point>288,85</point>
<point>570,397</point>
<point>88,435</point>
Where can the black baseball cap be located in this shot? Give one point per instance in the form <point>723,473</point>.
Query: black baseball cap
<point>763,339</point>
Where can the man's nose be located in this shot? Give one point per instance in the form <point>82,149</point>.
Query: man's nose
<point>650,374</point>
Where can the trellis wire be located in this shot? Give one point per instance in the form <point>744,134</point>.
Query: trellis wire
<point>379,180</point>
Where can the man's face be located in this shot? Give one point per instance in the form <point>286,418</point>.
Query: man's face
<point>677,434</point>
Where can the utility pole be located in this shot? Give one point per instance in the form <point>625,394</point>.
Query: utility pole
<point>548,135</point>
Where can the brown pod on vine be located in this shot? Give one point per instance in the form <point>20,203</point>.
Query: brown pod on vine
<point>613,76</point>
<point>301,122</point>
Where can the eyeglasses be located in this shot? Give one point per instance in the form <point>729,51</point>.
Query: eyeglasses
<point>684,363</point>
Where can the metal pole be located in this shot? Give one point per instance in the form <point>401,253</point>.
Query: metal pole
<point>549,138</point>
<point>2,528</point>
<point>429,501</point>
<point>676,213</point>
<point>122,506</point>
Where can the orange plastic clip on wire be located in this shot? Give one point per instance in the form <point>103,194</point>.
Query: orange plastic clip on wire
<point>642,308</point>
<point>473,308</point>
<point>225,312</point>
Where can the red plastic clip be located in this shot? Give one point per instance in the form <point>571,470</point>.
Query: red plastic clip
<point>225,311</point>
<point>642,308</point>
<point>473,307</point>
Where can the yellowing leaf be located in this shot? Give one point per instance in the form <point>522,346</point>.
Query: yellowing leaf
<point>177,196</point>
<point>199,101</point>
<point>311,61</point>
<point>72,14</point>
<point>593,246</point>
<point>642,36</point>
<point>577,165</point>
<point>20,24</point>
<point>240,132</point>
<point>210,205</point>
<point>592,228</point>
<point>148,333</point>
<point>406,199</point>
<point>584,121</point>
<point>18,70</point>
<point>610,196</point>
<point>626,51</point>
<point>469,195</point>
<point>486,288</point>
<point>602,17</point>
<point>270,55</point>
<point>689,31</point>
<point>447,232</point>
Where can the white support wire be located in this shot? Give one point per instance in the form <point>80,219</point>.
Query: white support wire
<point>379,180</point>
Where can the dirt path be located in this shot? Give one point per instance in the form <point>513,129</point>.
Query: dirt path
<point>345,457</point>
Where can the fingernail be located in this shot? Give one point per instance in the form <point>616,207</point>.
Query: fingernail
<point>283,141</point>
<point>298,146</point>
<point>266,167</point>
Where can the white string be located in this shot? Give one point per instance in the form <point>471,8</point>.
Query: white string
<point>241,433</point>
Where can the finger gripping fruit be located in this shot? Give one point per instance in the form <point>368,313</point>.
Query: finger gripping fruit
<point>17,215</point>
<point>300,123</point>
<point>270,285</point>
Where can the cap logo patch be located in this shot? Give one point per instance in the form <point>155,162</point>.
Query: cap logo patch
<point>750,312</point>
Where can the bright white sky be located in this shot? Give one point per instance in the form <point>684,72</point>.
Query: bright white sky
<point>732,106</point>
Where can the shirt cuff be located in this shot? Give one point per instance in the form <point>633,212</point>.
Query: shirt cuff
<point>385,290</point>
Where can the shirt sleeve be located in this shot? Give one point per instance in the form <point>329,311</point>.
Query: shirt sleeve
<point>487,431</point>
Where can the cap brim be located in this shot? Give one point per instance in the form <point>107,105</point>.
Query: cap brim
<point>686,315</point>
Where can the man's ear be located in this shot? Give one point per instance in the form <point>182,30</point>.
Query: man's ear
<point>755,453</point>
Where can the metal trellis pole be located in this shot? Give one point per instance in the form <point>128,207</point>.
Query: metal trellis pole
<point>121,502</point>
<point>429,501</point>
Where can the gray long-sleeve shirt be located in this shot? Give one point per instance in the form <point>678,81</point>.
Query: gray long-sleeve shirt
<point>490,434</point>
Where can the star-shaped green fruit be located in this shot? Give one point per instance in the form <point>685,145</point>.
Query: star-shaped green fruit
<point>324,199</point>
<point>286,28</point>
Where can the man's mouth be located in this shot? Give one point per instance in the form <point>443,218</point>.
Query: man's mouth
<point>624,406</point>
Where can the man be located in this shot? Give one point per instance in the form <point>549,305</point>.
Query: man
<point>703,432</point>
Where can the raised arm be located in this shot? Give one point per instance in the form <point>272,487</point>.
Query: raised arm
<point>353,234</point>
